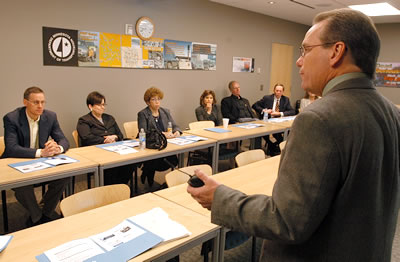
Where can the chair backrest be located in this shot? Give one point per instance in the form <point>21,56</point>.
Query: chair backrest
<point>175,177</point>
<point>282,145</point>
<point>93,198</point>
<point>249,156</point>
<point>201,125</point>
<point>2,145</point>
<point>75,135</point>
<point>131,129</point>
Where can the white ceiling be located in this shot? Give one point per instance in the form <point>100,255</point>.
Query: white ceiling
<point>303,11</point>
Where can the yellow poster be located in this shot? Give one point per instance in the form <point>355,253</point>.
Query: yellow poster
<point>110,50</point>
<point>131,52</point>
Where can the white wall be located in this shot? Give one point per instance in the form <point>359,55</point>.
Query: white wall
<point>236,33</point>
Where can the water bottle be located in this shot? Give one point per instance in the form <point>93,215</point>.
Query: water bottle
<point>142,139</point>
<point>169,127</point>
<point>265,117</point>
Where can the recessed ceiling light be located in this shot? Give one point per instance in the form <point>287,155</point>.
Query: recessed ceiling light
<point>271,2</point>
<point>379,9</point>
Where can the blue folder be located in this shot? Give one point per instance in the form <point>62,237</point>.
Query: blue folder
<point>218,130</point>
<point>123,252</point>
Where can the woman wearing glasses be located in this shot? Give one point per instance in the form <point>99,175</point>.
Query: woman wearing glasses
<point>95,128</point>
<point>157,117</point>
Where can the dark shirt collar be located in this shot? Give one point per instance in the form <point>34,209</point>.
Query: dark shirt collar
<point>236,97</point>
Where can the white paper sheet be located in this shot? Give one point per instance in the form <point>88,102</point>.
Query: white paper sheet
<point>59,160</point>
<point>4,240</point>
<point>157,221</point>
<point>32,167</point>
<point>120,149</point>
<point>74,251</point>
<point>118,235</point>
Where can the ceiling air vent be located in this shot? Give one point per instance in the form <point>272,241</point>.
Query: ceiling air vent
<point>299,3</point>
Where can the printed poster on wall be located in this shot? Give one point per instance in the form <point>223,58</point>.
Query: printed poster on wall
<point>153,53</point>
<point>131,52</point>
<point>243,64</point>
<point>387,74</point>
<point>60,46</point>
<point>204,56</point>
<point>66,47</point>
<point>110,50</point>
<point>177,54</point>
<point>88,48</point>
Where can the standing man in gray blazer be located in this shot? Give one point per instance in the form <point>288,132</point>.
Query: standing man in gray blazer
<point>27,133</point>
<point>337,193</point>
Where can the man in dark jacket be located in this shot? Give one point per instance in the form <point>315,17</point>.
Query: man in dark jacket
<point>26,135</point>
<point>235,107</point>
<point>275,105</point>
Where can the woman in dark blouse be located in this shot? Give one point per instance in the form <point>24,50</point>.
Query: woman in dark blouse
<point>155,116</point>
<point>208,110</point>
<point>95,128</point>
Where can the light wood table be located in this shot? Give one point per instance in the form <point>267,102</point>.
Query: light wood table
<point>107,159</point>
<point>31,242</point>
<point>287,124</point>
<point>255,178</point>
<point>12,178</point>
<point>238,134</point>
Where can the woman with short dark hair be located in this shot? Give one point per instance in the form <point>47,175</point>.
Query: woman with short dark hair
<point>97,127</point>
<point>208,109</point>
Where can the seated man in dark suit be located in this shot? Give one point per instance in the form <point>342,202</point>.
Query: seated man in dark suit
<point>235,107</point>
<point>26,134</point>
<point>275,105</point>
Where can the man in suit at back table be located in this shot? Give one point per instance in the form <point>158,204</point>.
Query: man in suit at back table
<point>275,105</point>
<point>236,107</point>
<point>337,193</point>
<point>27,132</point>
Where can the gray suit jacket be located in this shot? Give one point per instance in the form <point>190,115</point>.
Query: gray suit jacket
<point>17,133</point>
<point>146,120</point>
<point>337,196</point>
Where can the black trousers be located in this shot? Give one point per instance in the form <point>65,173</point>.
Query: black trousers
<point>150,167</point>
<point>274,146</point>
<point>118,175</point>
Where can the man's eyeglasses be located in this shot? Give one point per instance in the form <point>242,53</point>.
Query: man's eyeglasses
<point>36,103</point>
<point>305,48</point>
<point>104,105</point>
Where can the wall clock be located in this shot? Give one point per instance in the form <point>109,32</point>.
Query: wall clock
<point>145,28</point>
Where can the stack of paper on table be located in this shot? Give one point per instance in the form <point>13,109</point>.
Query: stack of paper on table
<point>42,163</point>
<point>248,125</point>
<point>281,119</point>
<point>121,147</point>
<point>184,140</point>
<point>128,239</point>
<point>158,222</point>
